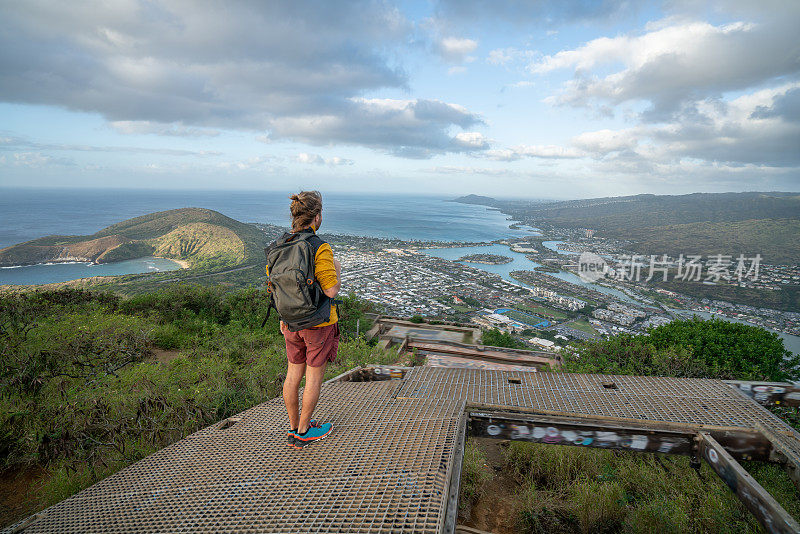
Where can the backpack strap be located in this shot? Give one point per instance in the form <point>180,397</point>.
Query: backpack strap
<point>270,307</point>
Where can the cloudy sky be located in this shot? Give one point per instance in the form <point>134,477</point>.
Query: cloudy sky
<point>561,99</point>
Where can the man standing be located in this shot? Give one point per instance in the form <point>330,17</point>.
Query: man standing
<point>304,281</point>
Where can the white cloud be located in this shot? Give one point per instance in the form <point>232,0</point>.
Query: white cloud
<point>675,63</point>
<point>504,56</point>
<point>36,160</point>
<point>522,83</point>
<point>456,169</point>
<point>249,163</point>
<point>472,140</point>
<point>171,130</point>
<point>316,159</point>
<point>178,69</point>
<point>407,128</point>
<point>499,56</point>
<point>736,133</point>
<point>534,151</point>
<point>14,143</point>
<point>604,141</point>
<point>454,49</point>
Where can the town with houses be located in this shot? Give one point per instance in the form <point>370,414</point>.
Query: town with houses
<point>534,305</point>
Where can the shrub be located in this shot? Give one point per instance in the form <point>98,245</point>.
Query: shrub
<point>692,348</point>
<point>81,396</point>
<point>496,338</point>
<point>474,474</point>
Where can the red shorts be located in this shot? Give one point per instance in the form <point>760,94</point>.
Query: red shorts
<point>312,346</point>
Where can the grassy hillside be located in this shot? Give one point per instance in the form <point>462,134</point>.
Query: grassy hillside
<point>702,223</point>
<point>205,238</point>
<point>160,223</point>
<point>643,211</point>
<point>777,240</point>
<point>91,381</point>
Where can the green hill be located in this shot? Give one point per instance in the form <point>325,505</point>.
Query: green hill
<point>704,223</point>
<point>202,237</point>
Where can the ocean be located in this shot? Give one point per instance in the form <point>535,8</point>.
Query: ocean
<point>27,214</point>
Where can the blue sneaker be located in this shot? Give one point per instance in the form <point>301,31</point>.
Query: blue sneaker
<point>315,432</point>
<point>291,434</point>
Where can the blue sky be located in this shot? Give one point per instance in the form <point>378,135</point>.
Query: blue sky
<point>567,99</point>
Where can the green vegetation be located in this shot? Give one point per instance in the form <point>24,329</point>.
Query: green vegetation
<point>787,299</point>
<point>566,489</point>
<point>209,240</point>
<point>702,223</point>
<point>469,305</point>
<point>583,325</point>
<point>471,301</point>
<point>692,348</point>
<point>491,259</point>
<point>496,338</point>
<point>92,381</point>
<point>127,251</point>
<point>621,214</point>
<point>777,240</point>
<point>474,476</point>
<point>544,334</point>
<point>545,311</point>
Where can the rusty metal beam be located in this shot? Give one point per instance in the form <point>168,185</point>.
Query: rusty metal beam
<point>769,393</point>
<point>490,354</point>
<point>441,325</point>
<point>736,437</point>
<point>608,434</point>
<point>760,503</point>
<point>783,453</point>
<point>581,433</point>
<point>451,507</point>
<point>372,374</point>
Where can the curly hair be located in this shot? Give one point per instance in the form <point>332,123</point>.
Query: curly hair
<point>304,207</point>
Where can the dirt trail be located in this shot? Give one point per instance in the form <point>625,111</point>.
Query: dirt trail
<point>18,490</point>
<point>165,356</point>
<point>495,510</point>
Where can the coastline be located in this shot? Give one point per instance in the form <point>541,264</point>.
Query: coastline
<point>183,263</point>
<point>86,273</point>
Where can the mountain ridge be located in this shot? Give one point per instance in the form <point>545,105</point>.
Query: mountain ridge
<point>194,235</point>
<point>708,223</point>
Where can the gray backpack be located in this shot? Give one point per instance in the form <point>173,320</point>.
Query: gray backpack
<point>294,291</point>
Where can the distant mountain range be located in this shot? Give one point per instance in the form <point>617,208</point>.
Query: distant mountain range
<point>202,237</point>
<point>699,223</point>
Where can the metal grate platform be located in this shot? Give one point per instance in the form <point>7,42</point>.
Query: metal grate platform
<point>385,468</point>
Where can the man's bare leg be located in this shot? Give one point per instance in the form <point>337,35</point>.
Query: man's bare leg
<point>314,376</point>
<point>290,388</point>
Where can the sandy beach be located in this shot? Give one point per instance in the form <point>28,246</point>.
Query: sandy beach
<point>183,263</point>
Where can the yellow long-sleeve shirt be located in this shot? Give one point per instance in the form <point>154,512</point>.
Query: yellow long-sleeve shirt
<point>325,273</point>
